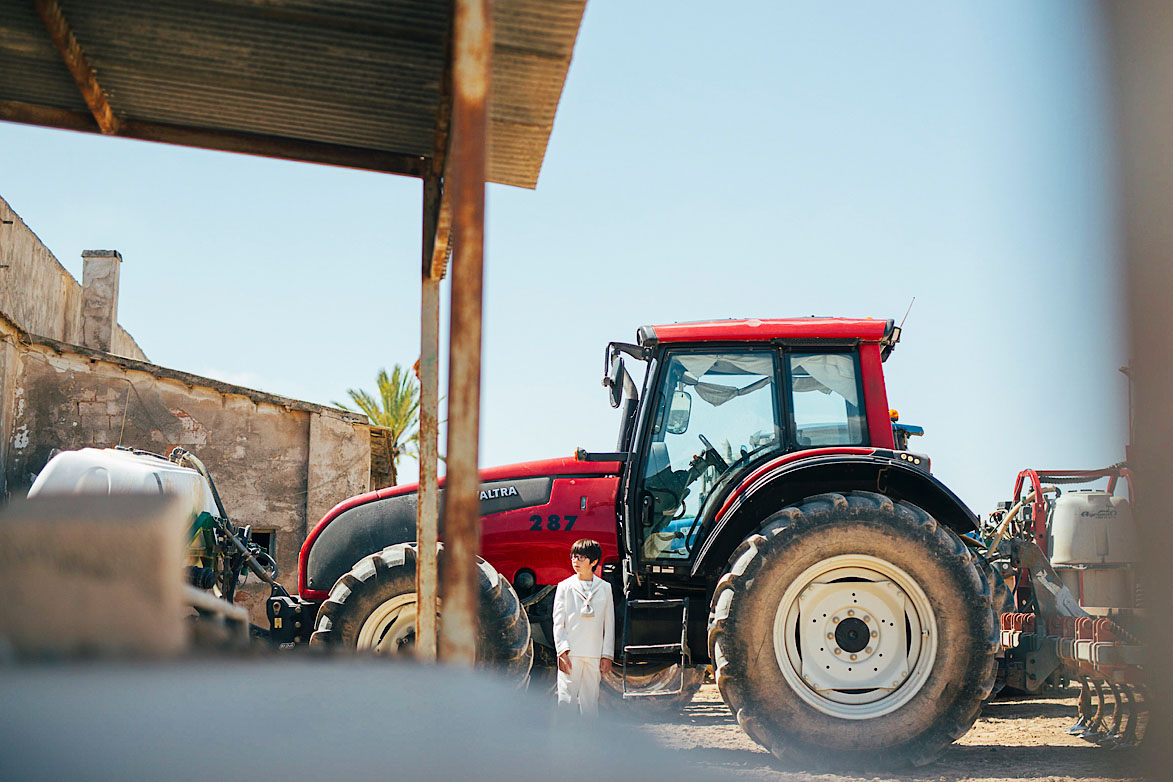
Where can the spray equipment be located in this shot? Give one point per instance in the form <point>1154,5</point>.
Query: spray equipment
<point>242,552</point>
<point>1074,610</point>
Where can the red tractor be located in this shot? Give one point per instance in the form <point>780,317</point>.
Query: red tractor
<point>757,515</point>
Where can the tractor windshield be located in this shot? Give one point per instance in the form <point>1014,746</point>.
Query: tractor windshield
<point>715,411</point>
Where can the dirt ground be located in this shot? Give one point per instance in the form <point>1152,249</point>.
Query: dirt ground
<point>1014,739</point>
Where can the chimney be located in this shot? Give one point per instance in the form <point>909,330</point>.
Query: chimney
<point>99,298</point>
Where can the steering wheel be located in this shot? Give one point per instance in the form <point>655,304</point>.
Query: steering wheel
<point>711,456</point>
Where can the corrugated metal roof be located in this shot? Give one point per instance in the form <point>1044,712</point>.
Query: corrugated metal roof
<point>360,75</point>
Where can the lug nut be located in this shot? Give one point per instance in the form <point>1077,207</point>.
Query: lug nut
<point>853,657</point>
<point>867,618</point>
<point>868,650</point>
<point>874,633</point>
<point>850,612</point>
<point>835,619</point>
<point>830,635</point>
<point>837,651</point>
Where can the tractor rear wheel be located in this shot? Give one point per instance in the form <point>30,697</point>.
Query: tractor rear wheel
<point>853,631</point>
<point>373,608</point>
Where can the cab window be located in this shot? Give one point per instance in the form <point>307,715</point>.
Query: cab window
<point>715,412</point>
<point>826,399</point>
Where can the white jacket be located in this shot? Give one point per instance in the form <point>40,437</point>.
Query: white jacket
<point>584,636</point>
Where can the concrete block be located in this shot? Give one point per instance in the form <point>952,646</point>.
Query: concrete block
<point>93,574</point>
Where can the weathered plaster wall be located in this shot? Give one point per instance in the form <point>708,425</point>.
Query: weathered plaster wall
<point>38,294</point>
<point>124,345</point>
<point>278,463</point>
<point>12,402</point>
<point>338,465</point>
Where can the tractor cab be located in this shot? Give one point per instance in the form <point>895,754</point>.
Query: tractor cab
<point>719,401</point>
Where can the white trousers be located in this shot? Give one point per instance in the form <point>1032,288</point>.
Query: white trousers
<point>580,686</point>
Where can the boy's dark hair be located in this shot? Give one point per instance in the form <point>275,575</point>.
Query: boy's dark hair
<point>588,548</point>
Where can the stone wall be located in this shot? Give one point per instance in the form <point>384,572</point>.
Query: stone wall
<point>279,464</point>
<point>40,296</point>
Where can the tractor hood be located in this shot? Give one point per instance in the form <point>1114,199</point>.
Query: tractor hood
<point>367,523</point>
<point>540,468</point>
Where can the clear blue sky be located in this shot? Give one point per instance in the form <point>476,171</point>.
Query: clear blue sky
<point>762,160</point>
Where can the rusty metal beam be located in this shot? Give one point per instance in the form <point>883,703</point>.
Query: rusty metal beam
<point>223,141</point>
<point>437,249</point>
<point>436,264</point>
<point>438,244</point>
<point>471,60</point>
<point>79,68</point>
<point>427,509</point>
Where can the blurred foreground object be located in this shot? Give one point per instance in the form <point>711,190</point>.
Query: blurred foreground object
<point>93,575</point>
<point>1141,34</point>
<point>358,719</point>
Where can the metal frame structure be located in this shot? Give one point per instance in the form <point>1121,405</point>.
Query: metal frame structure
<point>355,85</point>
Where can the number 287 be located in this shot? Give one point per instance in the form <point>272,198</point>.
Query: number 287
<point>551,523</point>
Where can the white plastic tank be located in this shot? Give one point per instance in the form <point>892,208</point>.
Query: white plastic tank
<point>116,471</point>
<point>1093,547</point>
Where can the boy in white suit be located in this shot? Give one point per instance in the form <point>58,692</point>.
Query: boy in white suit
<point>584,630</point>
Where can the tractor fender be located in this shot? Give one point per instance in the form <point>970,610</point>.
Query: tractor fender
<point>769,489</point>
<point>350,531</point>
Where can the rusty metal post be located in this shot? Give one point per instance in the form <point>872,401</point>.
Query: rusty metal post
<point>427,513</point>
<point>471,53</point>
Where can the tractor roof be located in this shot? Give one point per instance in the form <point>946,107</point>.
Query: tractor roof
<point>865,329</point>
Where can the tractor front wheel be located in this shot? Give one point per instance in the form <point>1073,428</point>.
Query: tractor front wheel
<point>373,608</point>
<point>854,631</point>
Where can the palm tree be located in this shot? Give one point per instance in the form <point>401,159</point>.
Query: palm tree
<point>397,410</point>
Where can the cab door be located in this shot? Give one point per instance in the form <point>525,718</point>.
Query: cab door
<point>710,413</point>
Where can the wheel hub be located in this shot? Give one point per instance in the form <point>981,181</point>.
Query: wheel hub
<point>852,635</point>
<point>859,639</point>
<point>390,628</point>
<point>855,636</point>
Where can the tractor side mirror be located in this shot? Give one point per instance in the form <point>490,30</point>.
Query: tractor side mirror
<point>679,412</point>
<point>614,381</point>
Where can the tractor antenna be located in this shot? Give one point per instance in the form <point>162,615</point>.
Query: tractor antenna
<point>906,312</point>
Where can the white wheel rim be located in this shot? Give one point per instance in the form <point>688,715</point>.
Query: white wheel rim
<point>389,625</point>
<point>855,637</point>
